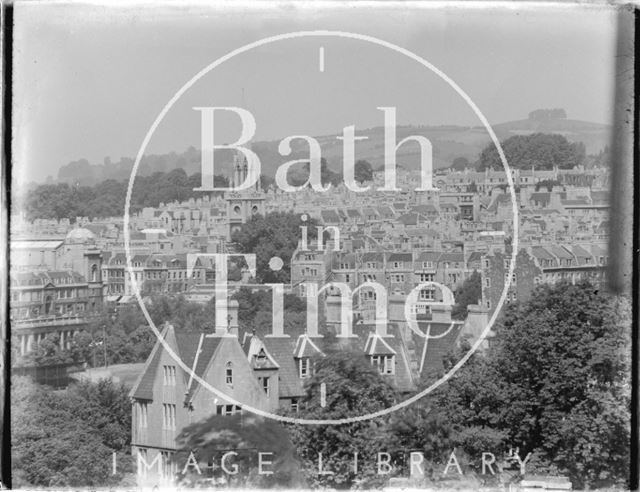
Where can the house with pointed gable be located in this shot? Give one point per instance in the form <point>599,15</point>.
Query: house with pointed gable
<point>174,390</point>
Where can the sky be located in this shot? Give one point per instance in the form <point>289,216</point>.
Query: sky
<point>90,79</point>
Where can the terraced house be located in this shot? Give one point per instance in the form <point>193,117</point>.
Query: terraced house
<point>265,371</point>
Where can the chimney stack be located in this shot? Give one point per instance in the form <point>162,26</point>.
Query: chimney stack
<point>230,325</point>
<point>477,320</point>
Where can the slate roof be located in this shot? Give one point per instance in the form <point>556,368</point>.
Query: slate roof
<point>281,349</point>
<point>424,209</point>
<point>581,254</point>
<point>403,257</point>
<point>431,351</point>
<point>386,212</point>
<point>542,254</point>
<point>474,257</point>
<point>187,348</point>
<point>429,256</point>
<point>330,216</point>
<point>143,387</point>
<point>560,252</point>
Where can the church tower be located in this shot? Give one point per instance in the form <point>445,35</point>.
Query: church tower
<point>243,204</point>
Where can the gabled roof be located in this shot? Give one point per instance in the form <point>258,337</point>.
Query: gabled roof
<point>143,387</point>
<point>196,350</point>
<point>376,345</point>
<point>258,355</point>
<point>306,347</point>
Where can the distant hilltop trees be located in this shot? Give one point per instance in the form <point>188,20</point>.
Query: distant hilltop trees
<point>548,114</point>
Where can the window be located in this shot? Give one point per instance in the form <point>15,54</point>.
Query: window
<point>168,416</point>
<point>228,409</point>
<point>142,460</point>
<point>295,405</point>
<point>507,263</point>
<point>427,277</point>
<point>169,467</point>
<point>396,265</point>
<point>513,278</point>
<point>304,367</point>
<point>397,278</point>
<point>229,373</point>
<point>384,363</point>
<point>264,382</point>
<point>487,282</point>
<point>344,266</point>
<point>486,263</point>
<point>427,264</point>
<point>142,415</point>
<point>169,373</point>
<point>372,264</point>
<point>389,364</point>
<point>488,304</point>
<point>427,295</point>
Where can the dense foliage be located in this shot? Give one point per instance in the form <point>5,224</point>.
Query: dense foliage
<point>539,150</point>
<point>247,435</point>
<point>276,234</point>
<point>355,389</point>
<point>460,164</point>
<point>107,198</point>
<point>470,292</point>
<point>555,383</point>
<point>67,439</point>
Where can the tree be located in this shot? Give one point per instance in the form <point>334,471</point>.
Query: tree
<point>363,171</point>
<point>247,435</point>
<point>354,388</point>
<point>548,184</point>
<point>555,384</point>
<point>58,441</point>
<point>539,150</point>
<point>460,164</point>
<point>570,345</point>
<point>469,293</point>
<point>276,234</point>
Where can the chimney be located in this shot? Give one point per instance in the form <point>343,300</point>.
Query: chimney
<point>441,313</point>
<point>477,320</point>
<point>232,317</point>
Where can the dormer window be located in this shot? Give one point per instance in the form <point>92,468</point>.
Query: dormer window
<point>261,356</point>
<point>304,367</point>
<point>384,363</point>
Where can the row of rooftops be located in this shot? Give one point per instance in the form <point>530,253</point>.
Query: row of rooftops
<point>61,277</point>
<point>415,356</point>
<point>551,254</point>
<point>148,260</point>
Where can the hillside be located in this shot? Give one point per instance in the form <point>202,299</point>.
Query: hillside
<point>448,141</point>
